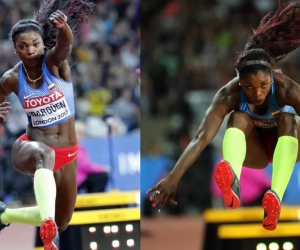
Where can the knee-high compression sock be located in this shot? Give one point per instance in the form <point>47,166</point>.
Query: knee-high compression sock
<point>45,192</point>
<point>284,159</point>
<point>234,149</point>
<point>27,215</point>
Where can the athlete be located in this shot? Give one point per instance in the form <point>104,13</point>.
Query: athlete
<point>42,82</point>
<point>4,109</point>
<point>263,124</point>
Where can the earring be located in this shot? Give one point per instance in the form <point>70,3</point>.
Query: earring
<point>240,84</point>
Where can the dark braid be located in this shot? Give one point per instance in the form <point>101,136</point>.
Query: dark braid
<point>276,36</point>
<point>77,12</point>
<point>23,26</point>
<point>251,55</point>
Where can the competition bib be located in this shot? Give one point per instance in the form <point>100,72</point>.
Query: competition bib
<point>48,109</point>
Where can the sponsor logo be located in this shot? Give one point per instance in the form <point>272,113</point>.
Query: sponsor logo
<point>28,95</point>
<point>47,109</point>
<point>69,155</point>
<point>42,100</point>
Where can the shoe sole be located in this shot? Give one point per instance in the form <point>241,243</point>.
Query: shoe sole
<point>271,205</point>
<point>48,231</point>
<point>224,178</point>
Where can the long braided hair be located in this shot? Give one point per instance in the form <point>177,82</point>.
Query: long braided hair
<point>77,11</point>
<point>276,36</point>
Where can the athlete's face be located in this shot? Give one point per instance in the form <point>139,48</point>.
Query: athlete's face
<point>256,86</point>
<point>30,47</point>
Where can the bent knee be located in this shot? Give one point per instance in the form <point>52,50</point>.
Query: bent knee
<point>44,157</point>
<point>240,120</point>
<point>287,124</point>
<point>286,118</point>
<point>28,156</point>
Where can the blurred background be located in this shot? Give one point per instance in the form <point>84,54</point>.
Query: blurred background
<point>104,64</point>
<point>188,52</point>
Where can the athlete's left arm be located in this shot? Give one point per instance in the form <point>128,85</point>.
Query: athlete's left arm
<point>63,47</point>
<point>288,92</point>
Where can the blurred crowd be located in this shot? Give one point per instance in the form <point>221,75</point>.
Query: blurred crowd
<point>192,45</point>
<point>104,64</point>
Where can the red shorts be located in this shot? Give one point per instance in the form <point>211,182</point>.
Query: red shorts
<point>63,156</point>
<point>270,141</point>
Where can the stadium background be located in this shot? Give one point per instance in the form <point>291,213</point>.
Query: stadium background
<point>188,52</point>
<point>106,54</point>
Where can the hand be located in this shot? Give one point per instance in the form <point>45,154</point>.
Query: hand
<point>4,109</point>
<point>164,191</point>
<point>58,19</point>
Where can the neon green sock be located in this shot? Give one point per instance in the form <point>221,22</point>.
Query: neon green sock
<point>45,192</point>
<point>234,149</point>
<point>284,160</point>
<point>27,215</point>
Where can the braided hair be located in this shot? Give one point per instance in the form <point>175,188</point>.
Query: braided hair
<point>77,12</point>
<point>276,36</point>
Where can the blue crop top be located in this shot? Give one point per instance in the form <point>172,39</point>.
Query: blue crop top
<point>269,119</point>
<point>51,104</point>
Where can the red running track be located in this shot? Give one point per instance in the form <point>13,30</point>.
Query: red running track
<point>172,232</point>
<point>17,237</point>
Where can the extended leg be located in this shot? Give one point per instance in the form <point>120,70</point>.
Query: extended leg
<point>284,160</point>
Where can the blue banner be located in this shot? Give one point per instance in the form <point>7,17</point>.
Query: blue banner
<point>122,154</point>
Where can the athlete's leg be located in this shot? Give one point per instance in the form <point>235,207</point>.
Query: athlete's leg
<point>256,153</point>
<point>298,135</point>
<point>241,145</point>
<point>285,153</point>
<point>37,159</point>
<point>66,194</point>
<point>284,160</point>
<point>34,159</point>
<point>26,215</point>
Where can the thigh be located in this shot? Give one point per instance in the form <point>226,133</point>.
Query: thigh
<point>28,156</point>
<point>256,154</point>
<point>66,194</point>
<point>298,135</point>
<point>289,125</point>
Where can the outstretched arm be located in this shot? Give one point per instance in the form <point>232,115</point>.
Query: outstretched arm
<point>222,104</point>
<point>208,129</point>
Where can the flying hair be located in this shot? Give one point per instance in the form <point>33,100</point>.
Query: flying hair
<point>77,11</point>
<point>276,36</point>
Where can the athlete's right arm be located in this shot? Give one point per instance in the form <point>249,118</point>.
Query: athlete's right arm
<point>7,85</point>
<point>223,103</point>
<point>6,88</point>
<point>208,129</point>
